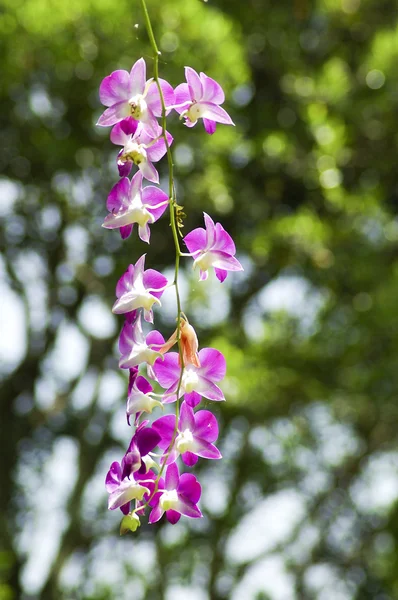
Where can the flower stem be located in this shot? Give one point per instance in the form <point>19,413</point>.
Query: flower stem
<point>173,225</point>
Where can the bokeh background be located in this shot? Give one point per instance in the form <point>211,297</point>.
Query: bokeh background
<point>304,504</point>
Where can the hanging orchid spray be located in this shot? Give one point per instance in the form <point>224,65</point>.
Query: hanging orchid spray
<point>145,480</point>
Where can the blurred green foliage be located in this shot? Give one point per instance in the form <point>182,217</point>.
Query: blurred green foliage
<point>306,184</point>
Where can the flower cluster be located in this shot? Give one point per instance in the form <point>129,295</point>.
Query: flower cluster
<point>148,476</point>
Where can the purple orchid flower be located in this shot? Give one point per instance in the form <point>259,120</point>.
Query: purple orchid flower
<point>134,347</point>
<point>138,288</point>
<point>139,398</point>
<point>130,95</point>
<point>199,98</point>
<point>129,203</point>
<point>140,147</point>
<point>196,381</point>
<point>212,247</point>
<point>177,496</point>
<point>121,488</point>
<point>196,432</point>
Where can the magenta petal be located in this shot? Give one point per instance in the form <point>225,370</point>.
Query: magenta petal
<point>144,386</point>
<point>213,364</point>
<point>194,83</point>
<point>156,514</point>
<point>156,151</point>
<point>187,419</point>
<point>167,371</point>
<point>211,391</point>
<point>212,91</point>
<point>172,516</point>
<point>192,399</point>
<point>154,281</point>
<point>114,88</point>
<point>118,196</point>
<point>154,339</point>
<point>223,242</point>
<point>137,78</point>
<point>210,126</point>
<point>124,168</point>
<point>113,477</point>
<point>153,99</point>
<point>115,113</point>
<point>215,113</point>
<point>206,426</point>
<point>153,196</point>
<point>189,459</point>
<point>196,240</point>
<point>222,260</point>
<point>147,439</point>
<point>165,426</point>
<point>221,274</point>
<point>149,171</point>
<point>206,450</point>
<point>125,231</point>
<point>172,477</point>
<point>182,98</point>
<point>189,487</point>
<point>210,230</point>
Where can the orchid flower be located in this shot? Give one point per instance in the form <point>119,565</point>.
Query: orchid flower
<point>130,95</point>
<point>179,496</point>
<point>139,398</point>
<point>140,147</point>
<point>212,247</point>
<point>200,98</point>
<point>138,288</point>
<point>196,432</point>
<point>133,346</point>
<point>196,381</point>
<point>129,203</point>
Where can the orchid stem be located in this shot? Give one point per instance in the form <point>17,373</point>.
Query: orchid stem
<point>174,229</point>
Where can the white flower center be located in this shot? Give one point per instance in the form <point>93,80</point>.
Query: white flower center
<point>195,112</point>
<point>190,380</point>
<point>134,152</point>
<point>204,261</point>
<point>169,500</point>
<point>138,107</point>
<point>185,441</point>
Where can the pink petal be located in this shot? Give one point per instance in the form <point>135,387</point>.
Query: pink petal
<point>154,280</point>
<point>114,88</point>
<point>210,230</point>
<point>194,83</point>
<point>189,458</point>
<point>210,126</point>
<point>168,370</point>
<point>137,78</point>
<point>119,195</point>
<point>114,114</point>
<point>156,151</point>
<point>155,340</point>
<point>144,233</point>
<point>113,477</point>
<point>196,240</point>
<point>156,514</point>
<point>221,274</point>
<point>223,242</point>
<point>172,477</point>
<point>125,231</point>
<point>222,260</point>
<point>213,364</point>
<point>172,516</point>
<point>187,419</point>
<point>143,385</point>
<point>215,113</point>
<point>152,196</point>
<point>153,98</point>
<point>206,426</point>
<point>212,91</point>
<point>211,391</point>
<point>149,171</point>
<point>206,450</point>
<point>165,428</point>
<point>192,399</point>
<point>189,487</point>
<point>182,97</point>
